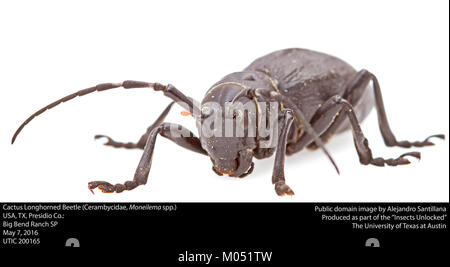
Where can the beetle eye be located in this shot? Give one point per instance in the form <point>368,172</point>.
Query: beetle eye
<point>206,112</point>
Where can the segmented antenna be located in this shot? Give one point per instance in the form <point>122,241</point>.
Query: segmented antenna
<point>309,129</point>
<point>99,87</point>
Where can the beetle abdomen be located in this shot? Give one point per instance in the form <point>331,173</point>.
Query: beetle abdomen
<point>309,78</point>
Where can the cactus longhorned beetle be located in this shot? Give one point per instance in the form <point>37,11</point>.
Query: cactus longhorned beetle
<point>317,95</point>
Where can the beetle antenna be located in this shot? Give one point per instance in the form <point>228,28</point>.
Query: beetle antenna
<point>243,92</point>
<point>172,92</point>
<point>309,129</point>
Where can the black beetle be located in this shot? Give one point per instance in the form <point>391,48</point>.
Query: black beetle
<point>313,93</point>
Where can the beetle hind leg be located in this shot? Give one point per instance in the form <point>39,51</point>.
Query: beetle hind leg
<point>361,142</point>
<point>408,144</point>
<point>354,94</point>
<point>337,106</point>
<point>386,132</point>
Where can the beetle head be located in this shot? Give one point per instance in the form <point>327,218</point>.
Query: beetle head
<point>228,122</point>
<point>228,131</point>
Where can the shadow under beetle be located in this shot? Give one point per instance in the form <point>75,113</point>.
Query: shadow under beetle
<point>316,93</point>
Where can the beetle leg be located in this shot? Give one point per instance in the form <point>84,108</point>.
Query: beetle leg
<point>278,179</point>
<point>181,137</point>
<point>141,143</point>
<point>267,94</point>
<point>328,112</point>
<point>353,94</point>
<point>386,132</point>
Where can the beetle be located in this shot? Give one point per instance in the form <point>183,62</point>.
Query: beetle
<point>314,94</point>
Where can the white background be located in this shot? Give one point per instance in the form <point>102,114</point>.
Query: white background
<point>49,49</point>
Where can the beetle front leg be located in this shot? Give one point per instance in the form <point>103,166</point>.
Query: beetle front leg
<point>182,137</point>
<point>278,179</point>
<point>142,141</point>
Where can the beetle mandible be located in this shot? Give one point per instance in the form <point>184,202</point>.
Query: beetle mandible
<point>315,93</point>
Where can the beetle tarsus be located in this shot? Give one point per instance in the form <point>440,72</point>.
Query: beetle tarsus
<point>394,162</point>
<point>426,142</point>
<point>282,189</point>
<point>106,187</point>
<point>115,144</point>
